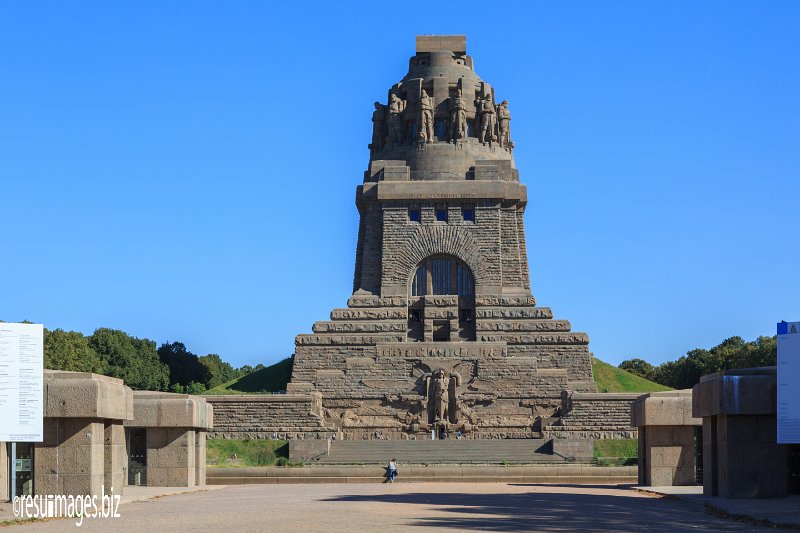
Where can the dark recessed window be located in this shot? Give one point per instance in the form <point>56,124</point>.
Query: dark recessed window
<point>468,214</point>
<point>413,214</point>
<point>441,213</point>
<point>440,128</point>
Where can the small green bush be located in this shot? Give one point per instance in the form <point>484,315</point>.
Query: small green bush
<point>283,461</point>
<point>263,457</point>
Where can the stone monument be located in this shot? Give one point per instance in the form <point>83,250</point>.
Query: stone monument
<point>442,331</point>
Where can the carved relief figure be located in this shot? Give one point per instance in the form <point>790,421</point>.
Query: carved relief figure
<point>503,120</point>
<point>378,127</point>
<point>396,107</point>
<point>441,396</point>
<point>426,116</point>
<point>487,113</point>
<point>458,117</point>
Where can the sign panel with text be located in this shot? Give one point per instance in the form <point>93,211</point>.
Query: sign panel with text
<point>21,382</point>
<point>789,383</point>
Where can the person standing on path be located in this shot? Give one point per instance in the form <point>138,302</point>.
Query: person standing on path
<point>392,469</point>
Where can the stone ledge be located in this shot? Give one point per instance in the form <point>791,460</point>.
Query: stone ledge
<point>611,396</point>
<point>747,391</point>
<point>513,312</point>
<point>265,398</point>
<point>167,410</point>
<point>669,408</point>
<point>86,395</point>
<point>536,338</point>
<point>409,190</point>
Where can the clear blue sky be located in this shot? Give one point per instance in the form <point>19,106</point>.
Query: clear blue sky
<point>187,170</point>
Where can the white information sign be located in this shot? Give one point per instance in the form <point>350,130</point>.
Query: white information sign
<point>21,382</point>
<point>789,383</point>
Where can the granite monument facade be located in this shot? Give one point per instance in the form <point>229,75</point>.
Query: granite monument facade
<point>442,331</point>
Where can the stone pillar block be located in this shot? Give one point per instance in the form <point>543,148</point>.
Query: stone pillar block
<point>170,457</point>
<point>200,458</point>
<point>670,455</point>
<point>741,457</point>
<point>71,458</point>
<point>3,472</point>
<point>115,457</point>
<point>666,438</point>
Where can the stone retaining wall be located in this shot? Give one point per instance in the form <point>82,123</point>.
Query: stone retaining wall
<point>266,416</point>
<point>594,416</point>
<point>417,473</point>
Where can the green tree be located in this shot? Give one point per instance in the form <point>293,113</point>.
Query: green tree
<point>131,359</point>
<point>184,366</point>
<point>640,367</point>
<point>191,388</point>
<point>247,369</point>
<point>219,371</point>
<point>70,350</point>
<point>733,352</point>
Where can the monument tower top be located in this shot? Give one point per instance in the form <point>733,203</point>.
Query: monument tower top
<point>441,119</point>
<point>442,43</point>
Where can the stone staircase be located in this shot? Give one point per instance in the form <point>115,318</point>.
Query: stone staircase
<point>594,416</point>
<point>317,473</point>
<point>452,451</point>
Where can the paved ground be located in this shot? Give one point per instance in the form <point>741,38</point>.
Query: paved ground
<point>132,494</point>
<point>774,510</point>
<point>406,507</point>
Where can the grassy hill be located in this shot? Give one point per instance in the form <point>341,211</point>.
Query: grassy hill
<point>612,379</point>
<point>270,379</point>
<point>274,378</point>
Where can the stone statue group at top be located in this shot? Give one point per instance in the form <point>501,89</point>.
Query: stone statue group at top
<point>493,121</point>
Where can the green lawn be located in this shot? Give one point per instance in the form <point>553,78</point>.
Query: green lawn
<point>267,380</point>
<point>612,379</point>
<point>264,452</point>
<point>613,452</point>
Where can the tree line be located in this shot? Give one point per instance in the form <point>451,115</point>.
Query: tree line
<point>170,367</point>
<point>686,371</point>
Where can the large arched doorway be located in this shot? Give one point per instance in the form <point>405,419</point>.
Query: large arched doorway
<point>450,317</point>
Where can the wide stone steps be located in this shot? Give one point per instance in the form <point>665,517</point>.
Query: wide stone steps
<point>581,474</point>
<point>451,451</point>
<point>606,420</point>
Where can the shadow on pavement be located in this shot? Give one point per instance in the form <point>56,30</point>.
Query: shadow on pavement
<point>558,510</point>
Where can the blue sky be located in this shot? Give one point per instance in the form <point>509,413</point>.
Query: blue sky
<point>187,171</point>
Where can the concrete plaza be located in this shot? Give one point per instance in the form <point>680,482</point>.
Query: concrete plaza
<point>406,507</point>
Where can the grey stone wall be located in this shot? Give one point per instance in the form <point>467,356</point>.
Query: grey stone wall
<point>265,416</point>
<point>594,416</point>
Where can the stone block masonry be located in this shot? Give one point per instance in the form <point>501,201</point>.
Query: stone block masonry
<point>667,438</point>
<point>267,416</point>
<point>594,416</point>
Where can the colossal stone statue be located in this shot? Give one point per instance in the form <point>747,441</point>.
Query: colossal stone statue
<point>396,108</point>
<point>426,116</point>
<point>503,119</point>
<point>440,396</point>
<point>458,117</point>
<point>487,113</point>
<point>378,128</point>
